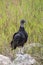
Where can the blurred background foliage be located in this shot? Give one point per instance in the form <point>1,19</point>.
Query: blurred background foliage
<point>11,12</point>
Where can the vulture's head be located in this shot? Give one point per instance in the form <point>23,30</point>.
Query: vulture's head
<point>22,23</point>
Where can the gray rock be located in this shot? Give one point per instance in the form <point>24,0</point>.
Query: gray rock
<point>4,60</point>
<point>24,59</point>
<point>21,59</point>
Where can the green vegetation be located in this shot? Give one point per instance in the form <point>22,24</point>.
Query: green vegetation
<point>12,11</point>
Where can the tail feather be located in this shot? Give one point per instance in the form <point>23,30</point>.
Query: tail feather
<point>13,46</point>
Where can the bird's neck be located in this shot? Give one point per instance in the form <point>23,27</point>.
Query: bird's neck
<point>22,25</point>
<point>21,28</point>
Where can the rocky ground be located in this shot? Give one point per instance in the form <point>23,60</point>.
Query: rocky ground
<point>21,59</point>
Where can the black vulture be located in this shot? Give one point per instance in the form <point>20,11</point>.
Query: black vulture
<point>20,37</point>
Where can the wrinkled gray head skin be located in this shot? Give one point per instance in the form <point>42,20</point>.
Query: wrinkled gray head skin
<point>22,23</point>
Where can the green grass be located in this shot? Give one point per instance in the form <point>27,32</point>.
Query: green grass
<point>12,11</point>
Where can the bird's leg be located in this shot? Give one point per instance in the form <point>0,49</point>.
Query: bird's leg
<point>21,50</point>
<point>18,51</point>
